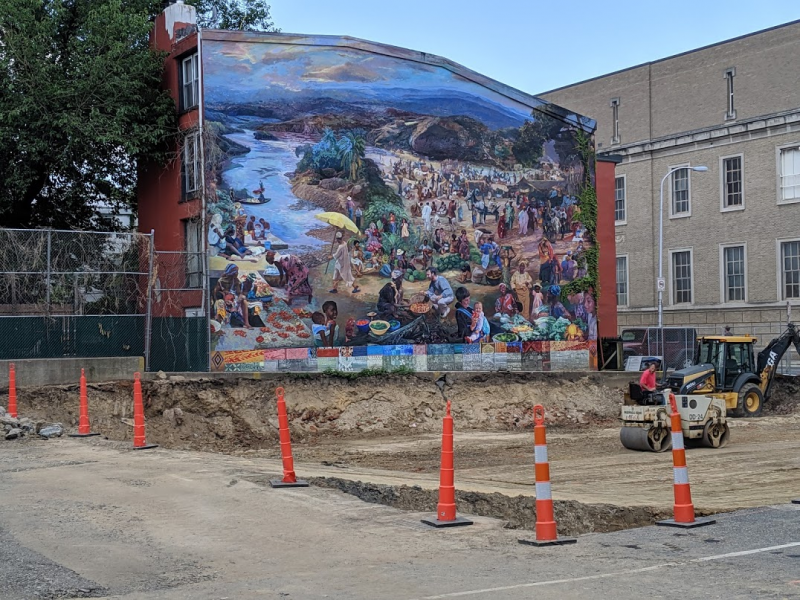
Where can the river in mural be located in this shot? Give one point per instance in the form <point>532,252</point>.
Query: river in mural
<point>374,212</point>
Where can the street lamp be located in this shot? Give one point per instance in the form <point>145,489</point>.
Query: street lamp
<point>661,283</point>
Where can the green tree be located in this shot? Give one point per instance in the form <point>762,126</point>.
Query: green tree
<point>80,98</point>
<point>81,102</point>
<point>352,149</point>
<point>246,15</point>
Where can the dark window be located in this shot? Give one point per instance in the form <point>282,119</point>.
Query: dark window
<point>620,210</point>
<point>190,82</point>
<point>732,194</point>
<point>681,277</point>
<point>193,241</point>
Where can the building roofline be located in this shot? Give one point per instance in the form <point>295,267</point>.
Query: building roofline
<point>533,102</point>
<point>666,58</point>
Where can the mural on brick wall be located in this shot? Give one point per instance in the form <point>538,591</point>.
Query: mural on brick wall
<point>371,211</point>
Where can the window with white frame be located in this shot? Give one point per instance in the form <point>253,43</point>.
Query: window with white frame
<point>191,163</point>
<point>620,214</point>
<point>193,240</point>
<point>681,202</point>
<point>732,183</point>
<point>790,270</point>
<point>615,120</point>
<point>734,273</point>
<point>730,113</point>
<point>622,281</point>
<point>682,277</point>
<point>190,79</point>
<point>789,165</point>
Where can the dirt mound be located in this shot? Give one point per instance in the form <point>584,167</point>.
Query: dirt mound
<point>785,398</point>
<point>230,414</point>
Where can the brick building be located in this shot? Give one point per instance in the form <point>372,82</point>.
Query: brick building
<point>731,234</point>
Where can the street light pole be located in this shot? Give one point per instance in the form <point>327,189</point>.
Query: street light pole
<point>661,283</point>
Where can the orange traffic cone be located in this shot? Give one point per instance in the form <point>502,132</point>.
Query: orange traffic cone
<point>289,478</point>
<point>546,533</point>
<point>83,422</point>
<point>139,442</point>
<point>446,509</point>
<point>12,390</point>
<point>684,509</point>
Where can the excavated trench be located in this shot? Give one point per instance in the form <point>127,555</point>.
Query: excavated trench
<point>518,512</point>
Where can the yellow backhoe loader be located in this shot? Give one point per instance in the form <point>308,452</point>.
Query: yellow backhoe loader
<point>725,377</point>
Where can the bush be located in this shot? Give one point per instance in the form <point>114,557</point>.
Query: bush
<point>380,207</point>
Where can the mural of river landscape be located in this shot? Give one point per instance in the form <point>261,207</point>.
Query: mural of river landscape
<point>370,211</point>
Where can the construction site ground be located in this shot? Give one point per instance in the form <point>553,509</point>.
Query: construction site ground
<point>92,518</point>
<point>187,517</point>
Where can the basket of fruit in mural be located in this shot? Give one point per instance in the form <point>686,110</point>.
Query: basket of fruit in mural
<point>420,304</point>
<point>379,327</point>
<point>494,276</point>
<point>505,337</point>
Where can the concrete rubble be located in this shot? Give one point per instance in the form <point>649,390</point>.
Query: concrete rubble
<point>15,428</point>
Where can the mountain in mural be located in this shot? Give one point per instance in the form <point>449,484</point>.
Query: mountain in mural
<point>354,102</point>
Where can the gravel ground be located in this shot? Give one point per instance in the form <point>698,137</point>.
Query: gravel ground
<point>27,574</point>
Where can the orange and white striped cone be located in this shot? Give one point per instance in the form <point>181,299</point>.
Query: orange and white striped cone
<point>289,477</point>
<point>684,509</point>
<point>546,533</point>
<point>83,423</point>
<point>446,509</point>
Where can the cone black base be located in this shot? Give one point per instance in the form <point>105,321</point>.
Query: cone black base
<point>147,447</point>
<point>277,483</point>
<point>559,542</point>
<point>696,523</point>
<point>434,522</point>
<point>796,501</point>
<point>82,434</point>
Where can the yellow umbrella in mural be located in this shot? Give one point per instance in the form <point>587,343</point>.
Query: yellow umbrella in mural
<point>337,220</point>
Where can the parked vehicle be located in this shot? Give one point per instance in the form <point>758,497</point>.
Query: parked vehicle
<point>679,344</point>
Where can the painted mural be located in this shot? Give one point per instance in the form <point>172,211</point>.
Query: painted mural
<point>368,211</point>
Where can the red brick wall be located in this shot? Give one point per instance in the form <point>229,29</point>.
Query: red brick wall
<point>607,304</point>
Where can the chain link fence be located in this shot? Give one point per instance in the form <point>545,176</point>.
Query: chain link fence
<point>100,294</point>
<point>679,344</point>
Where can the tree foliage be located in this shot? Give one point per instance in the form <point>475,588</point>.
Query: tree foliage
<point>245,15</point>
<point>80,98</point>
<point>81,102</point>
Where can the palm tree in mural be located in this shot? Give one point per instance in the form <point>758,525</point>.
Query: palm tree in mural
<point>352,148</point>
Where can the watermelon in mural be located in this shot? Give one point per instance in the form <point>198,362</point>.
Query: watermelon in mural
<point>369,209</point>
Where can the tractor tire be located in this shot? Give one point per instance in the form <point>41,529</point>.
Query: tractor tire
<point>751,401</point>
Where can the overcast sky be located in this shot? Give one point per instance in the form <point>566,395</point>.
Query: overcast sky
<point>532,45</point>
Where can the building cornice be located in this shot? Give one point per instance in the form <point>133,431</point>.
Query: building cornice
<point>742,130</point>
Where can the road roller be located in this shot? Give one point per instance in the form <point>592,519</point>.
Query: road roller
<point>646,423</point>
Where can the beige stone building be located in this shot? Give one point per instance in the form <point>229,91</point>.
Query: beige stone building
<point>731,234</point>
